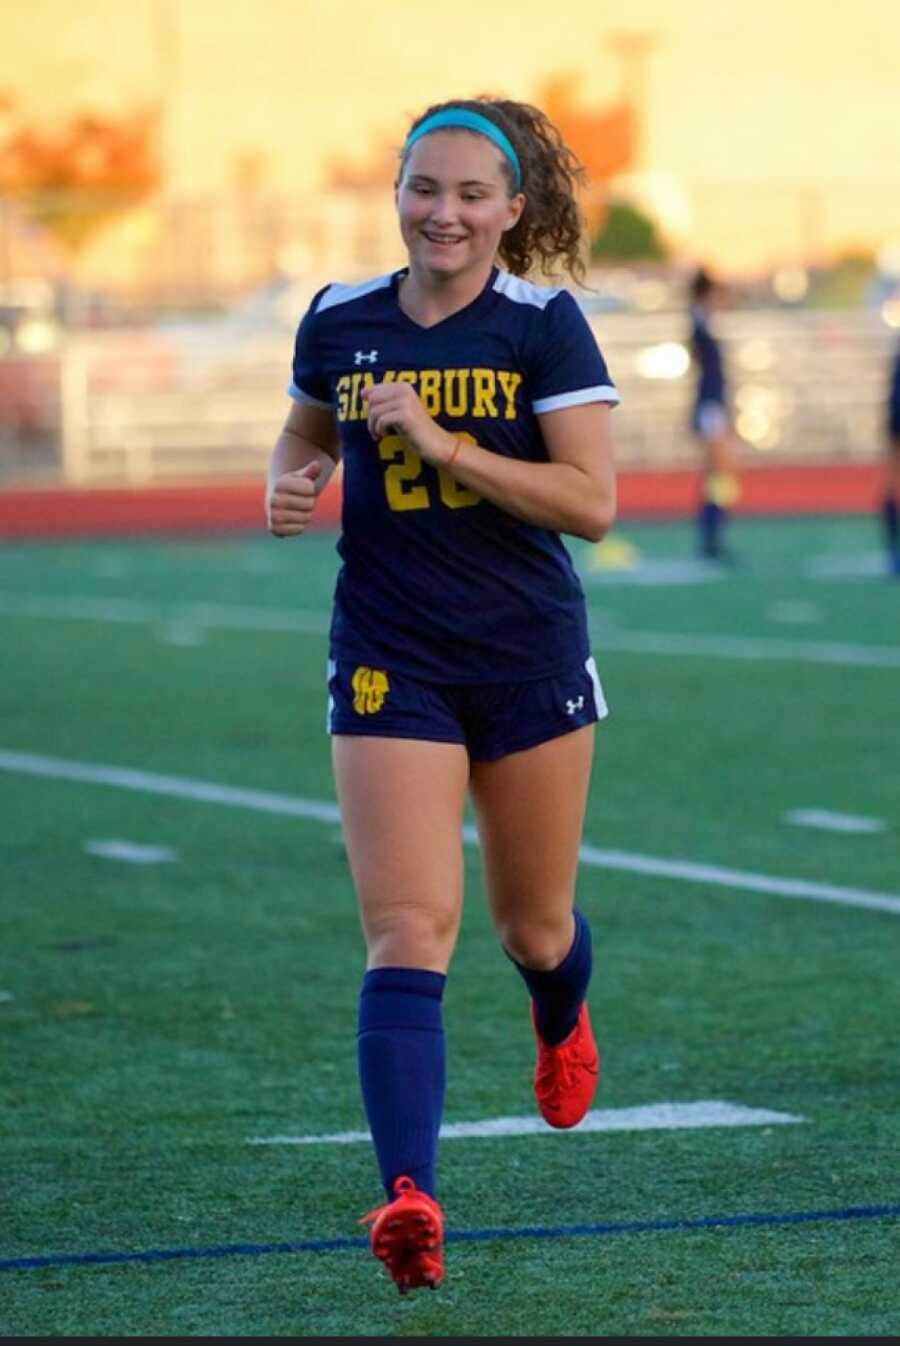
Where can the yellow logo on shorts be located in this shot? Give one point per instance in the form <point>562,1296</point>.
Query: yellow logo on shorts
<point>370,687</point>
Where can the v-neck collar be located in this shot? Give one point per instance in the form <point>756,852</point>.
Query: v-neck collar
<point>451,317</point>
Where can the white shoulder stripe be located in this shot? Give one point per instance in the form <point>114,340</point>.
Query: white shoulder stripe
<point>603,392</point>
<point>523,291</point>
<point>344,294</point>
<point>300,396</point>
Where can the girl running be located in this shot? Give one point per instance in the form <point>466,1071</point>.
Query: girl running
<point>470,408</point>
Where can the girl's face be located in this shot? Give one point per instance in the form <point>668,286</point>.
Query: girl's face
<point>454,204</point>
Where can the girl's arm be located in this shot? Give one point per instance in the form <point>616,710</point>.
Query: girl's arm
<point>575,492</point>
<point>302,462</point>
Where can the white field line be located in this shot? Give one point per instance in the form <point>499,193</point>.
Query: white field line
<point>762,648</point>
<point>834,822</point>
<point>227,617</point>
<point>653,574</point>
<point>208,792</point>
<point>80,607</point>
<point>655,1117</point>
<point>841,566</point>
<point>131,852</point>
<point>178,787</point>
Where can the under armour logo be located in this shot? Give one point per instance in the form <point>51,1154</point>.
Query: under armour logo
<point>572,706</point>
<point>365,357</point>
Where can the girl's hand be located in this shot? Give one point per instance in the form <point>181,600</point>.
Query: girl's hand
<point>292,500</point>
<point>395,409</point>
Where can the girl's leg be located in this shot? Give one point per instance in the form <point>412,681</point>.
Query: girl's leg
<point>530,808</point>
<point>720,491</point>
<point>402,803</point>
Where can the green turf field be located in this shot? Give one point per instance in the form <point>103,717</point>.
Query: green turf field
<point>157,1015</point>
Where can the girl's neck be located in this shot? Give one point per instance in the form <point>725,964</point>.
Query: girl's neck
<point>428,299</point>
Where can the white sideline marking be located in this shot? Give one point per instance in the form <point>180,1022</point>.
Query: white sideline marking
<point>130,851</point>
<point>655,573</point>
<point>179,787</point>
<point>134,612</point>
<point>307,622</point>
<point>834,822</point>
<point>794,612</point>
<point>210,793</point>
<point>749,647</point>
<point>841,566</point>
<point>736,878</point>
<point>654,1117</point>
<point>182,633</point>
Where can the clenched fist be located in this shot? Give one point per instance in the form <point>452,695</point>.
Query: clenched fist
<point>292,500</point>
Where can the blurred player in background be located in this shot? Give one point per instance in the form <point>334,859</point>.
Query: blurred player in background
<point>471,411</point>
<point>711,420</point>
<point>891,499</point>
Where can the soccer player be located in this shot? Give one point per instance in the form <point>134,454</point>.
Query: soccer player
<point>892,476</point>
<point>471,410</point>
<point>711,421</point>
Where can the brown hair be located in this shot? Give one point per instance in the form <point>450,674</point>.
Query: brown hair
<point>551,226</point>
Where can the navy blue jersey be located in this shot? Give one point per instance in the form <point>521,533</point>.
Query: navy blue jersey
<point>893,406</point>
<point>706,352</point>
<point>437,582</point>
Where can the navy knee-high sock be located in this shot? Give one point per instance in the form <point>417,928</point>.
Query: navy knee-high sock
<point>711,519</point>
<point>558,994</point>
<point>400,1048</point>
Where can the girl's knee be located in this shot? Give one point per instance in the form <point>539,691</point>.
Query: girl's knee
<point>537,942</point>
<point>410,933</point>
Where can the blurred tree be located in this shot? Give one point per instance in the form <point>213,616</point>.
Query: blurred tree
<point>627,235</point>
<point>844,284</point>
<point>76,179</point>
<point>378,172</point>
<point>604,139</point>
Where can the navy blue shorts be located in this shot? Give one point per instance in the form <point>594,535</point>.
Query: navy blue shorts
<point>491,720</point>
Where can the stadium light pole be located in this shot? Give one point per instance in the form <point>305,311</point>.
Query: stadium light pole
<point>633,48</point>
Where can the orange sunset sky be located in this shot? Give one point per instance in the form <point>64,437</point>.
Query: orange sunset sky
<point>769,126</point>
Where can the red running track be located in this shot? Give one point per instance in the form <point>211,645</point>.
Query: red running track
<point>207,507</point>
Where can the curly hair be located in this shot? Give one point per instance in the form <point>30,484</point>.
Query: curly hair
<point>550,229</point>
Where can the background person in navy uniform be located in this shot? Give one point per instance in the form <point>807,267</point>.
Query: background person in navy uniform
<point>471,411</point>
<point>711,420</point>
<point>891,500</point>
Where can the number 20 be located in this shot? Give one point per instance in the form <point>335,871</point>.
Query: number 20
<point>402,486</point>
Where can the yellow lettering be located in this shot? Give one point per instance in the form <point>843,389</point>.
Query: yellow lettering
<point>484,383</point>
<point>456,405</point>
<point>402,474</point>
<point>341,388</point>
<point>430,390</point>
<point>359,409</point>
<point>509,382</point>
<point>353,414</point>
<point>370,687</point>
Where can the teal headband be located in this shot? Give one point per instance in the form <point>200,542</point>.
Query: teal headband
<point>469,121</point>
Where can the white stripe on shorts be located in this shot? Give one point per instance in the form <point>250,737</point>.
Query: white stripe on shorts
<point>599,699</point>
<point>332,669</point>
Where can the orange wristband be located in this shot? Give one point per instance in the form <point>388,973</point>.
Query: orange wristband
<point>456,447</point>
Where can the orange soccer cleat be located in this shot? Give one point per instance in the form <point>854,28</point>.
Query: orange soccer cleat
<point>565,1076</point>
<point>407,1234</point>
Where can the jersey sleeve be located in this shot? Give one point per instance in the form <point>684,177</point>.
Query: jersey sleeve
<point>568,368</point>
<point>308,382</point>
